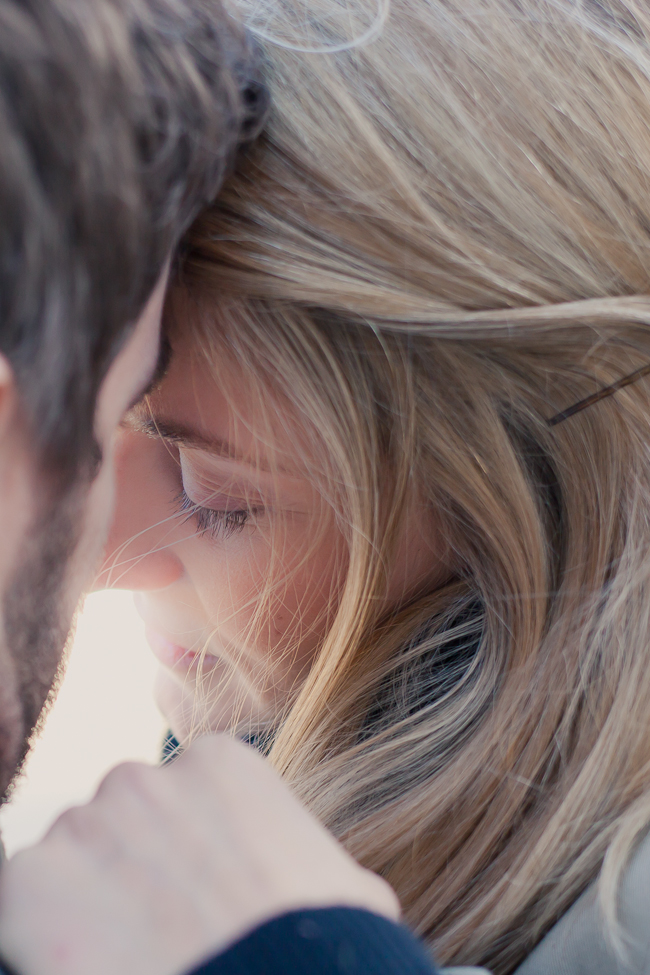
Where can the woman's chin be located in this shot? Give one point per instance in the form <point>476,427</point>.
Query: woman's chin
<point>188,717</point>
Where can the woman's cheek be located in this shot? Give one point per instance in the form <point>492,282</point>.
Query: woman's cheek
<point>249,628</point>
<point>231,579</point>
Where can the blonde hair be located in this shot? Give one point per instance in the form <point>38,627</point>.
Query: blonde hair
<point>443,240</point>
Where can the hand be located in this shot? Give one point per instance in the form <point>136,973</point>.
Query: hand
<point>168,866</point>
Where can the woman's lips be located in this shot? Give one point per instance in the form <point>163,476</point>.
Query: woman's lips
<point>169,654</point>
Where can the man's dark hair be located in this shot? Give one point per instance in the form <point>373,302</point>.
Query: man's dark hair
<point>118,121</point>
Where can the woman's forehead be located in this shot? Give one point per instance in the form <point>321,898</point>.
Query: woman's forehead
<point>223,413</point>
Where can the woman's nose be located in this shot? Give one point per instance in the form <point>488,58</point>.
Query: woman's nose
<point>139,551</point>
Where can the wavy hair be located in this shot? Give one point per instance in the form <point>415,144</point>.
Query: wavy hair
<point>442,241</point>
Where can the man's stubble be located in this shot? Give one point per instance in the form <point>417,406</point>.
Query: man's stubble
<point>38,616</point>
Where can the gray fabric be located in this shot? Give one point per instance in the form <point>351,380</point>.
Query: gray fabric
<point>578,945</point>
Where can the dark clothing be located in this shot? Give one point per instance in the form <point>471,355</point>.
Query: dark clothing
<point>331,941</point>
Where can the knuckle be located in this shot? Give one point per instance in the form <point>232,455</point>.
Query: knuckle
<point>73,820</point>
<point>75,828</point>
<point>386,897</point>
<point>127,777</point>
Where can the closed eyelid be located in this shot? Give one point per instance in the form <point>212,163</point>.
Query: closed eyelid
<point>207,490</point>
<point>203,476</point>
<point>236,476</point>
<point>233,495</point>
<point>222,502</point>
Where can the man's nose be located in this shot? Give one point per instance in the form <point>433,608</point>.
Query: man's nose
<point>139,551</point>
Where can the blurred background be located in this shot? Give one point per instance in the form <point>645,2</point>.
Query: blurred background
<point>104,714</point>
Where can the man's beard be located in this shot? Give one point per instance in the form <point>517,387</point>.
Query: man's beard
<point>37,621</point>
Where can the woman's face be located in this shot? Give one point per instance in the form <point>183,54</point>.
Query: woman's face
<point>236,558</point>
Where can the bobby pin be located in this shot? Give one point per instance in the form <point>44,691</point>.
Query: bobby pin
<point>601,394</point>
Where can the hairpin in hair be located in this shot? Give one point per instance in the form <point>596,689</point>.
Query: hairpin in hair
<point>601,394</point>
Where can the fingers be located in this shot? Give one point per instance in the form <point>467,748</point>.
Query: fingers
<point>167,866</point>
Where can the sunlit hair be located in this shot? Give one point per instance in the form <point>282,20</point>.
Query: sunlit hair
<point>442,242</point>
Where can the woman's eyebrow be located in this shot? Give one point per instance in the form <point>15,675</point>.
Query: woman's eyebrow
<point>181,436</point>
<point>142,420</point>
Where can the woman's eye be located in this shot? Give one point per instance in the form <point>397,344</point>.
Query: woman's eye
<point>217,524</point>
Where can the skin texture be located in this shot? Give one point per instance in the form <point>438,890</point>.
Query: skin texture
<point>207,591</point>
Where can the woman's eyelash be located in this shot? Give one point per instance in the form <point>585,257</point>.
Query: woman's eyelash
<point>218,524</point>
